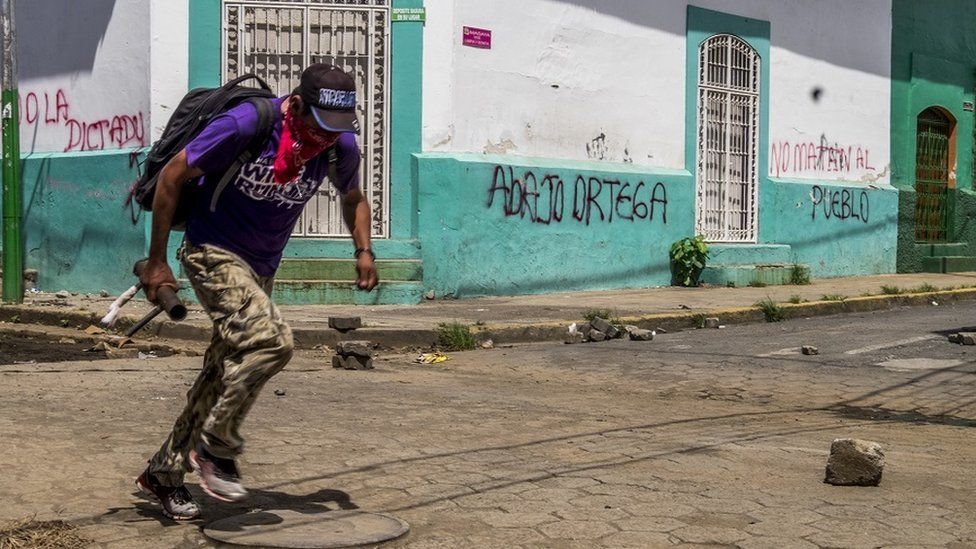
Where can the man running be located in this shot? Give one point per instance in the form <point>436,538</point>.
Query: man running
<point>230,254</point>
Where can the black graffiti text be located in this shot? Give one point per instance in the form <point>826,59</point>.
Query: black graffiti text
<point>840,203</point>
<point>547,198</point>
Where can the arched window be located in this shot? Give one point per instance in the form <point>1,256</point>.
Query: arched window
<point>934,164</point>
<point>727,178</point>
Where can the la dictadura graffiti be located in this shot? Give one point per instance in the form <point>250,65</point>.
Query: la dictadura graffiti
<point>546,198</point>
<point>842,204</point>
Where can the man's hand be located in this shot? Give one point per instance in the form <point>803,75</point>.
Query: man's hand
<point>366,269</point>
<point>155,275</point>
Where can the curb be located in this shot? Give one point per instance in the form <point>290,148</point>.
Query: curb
<point>307,338</point>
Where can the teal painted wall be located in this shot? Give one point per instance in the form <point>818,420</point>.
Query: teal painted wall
<point>933,60</point>
<point>485,232</point>
<point>79,236</point>
<point>837,230</point>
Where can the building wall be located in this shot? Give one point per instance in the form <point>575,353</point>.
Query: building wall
<point>85,115</point>
<point>598,99</point>
<point>591,80</point>
<point>933,61</point>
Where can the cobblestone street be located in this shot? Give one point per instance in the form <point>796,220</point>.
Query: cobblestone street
<point>699,438</point>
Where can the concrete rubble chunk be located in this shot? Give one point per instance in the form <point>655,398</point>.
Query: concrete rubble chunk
<point>967,338</point>
<point>63,294</point>
<point>352,362</point>
<point>955,338</point>
<point>355,348</point>
<point>597,335</point>
<point>345,323</point>
<point>809,350</point>
<point>855,462</point>
<point>639,334</point>
<point>575,337</point>
<point>712,323</point>
<point>601,324</point>
<point>430,295</point>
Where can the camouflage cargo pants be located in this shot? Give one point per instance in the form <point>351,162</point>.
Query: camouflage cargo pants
<point>250,344</point>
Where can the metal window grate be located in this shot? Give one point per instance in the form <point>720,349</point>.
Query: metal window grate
<point>728,140</point>
<point>932,176</point>
<point>278,39</point>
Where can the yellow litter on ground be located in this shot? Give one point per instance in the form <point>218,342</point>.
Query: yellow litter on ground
<point>432,358</point>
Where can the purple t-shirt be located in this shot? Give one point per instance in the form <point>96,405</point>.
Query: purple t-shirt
<point>255,216</point>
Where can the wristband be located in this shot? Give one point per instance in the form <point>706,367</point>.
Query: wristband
<point>361,250</point>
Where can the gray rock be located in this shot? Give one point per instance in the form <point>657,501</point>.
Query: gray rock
<point>597,335</point>
<point>967,338</point>
<point>955,338</point>
<point>63,294</point>
<point>809,350</point>
<point>575,337</point>
<point>345,323</point>
<point>280,392</point>
<point>712,322</point>
<point>352,362</point>
<point>430,295</point>
<point>639,334</point>
<point>855,462</point>
<point>104,293</point>
<point>601,324</point>
<point>355,348</point>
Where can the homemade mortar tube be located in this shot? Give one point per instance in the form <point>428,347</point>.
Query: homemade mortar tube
<point>165,296</point>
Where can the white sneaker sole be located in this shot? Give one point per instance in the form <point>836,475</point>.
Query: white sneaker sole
<point>148,491</point>
<point>206,488</point>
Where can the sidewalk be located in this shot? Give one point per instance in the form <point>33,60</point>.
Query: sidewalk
<point>530,318</point>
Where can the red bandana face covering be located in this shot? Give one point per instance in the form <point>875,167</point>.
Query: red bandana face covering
<point>298,145</point>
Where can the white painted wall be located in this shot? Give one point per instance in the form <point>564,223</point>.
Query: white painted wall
<point>169,59</point>
<point>84,74</point>
<point>562,73</point>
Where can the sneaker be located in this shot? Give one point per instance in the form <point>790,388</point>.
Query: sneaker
<point>219,476</point>
<point>177,502</point>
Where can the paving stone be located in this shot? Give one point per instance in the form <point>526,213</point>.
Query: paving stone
<point>773,542</point>
<point>356,348</point>
<point>636,540</point>
<point>345,323</point>
<point>576,529</point>
<point>712,322</point>
<point>649,524</point>
<point>699,534</point>
<point>855,462</point>
<point>501,519</point>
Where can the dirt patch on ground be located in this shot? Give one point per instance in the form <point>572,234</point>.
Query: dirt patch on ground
<point>26,349</point>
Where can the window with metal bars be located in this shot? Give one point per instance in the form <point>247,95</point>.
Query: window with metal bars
<point>727,177</point>
<point>277,39</point>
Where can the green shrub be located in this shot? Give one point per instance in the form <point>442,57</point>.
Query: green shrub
<point>795,299</point>
<point>455,337</point>
<point>605,314</point>
<point>688,257</point>
<point>924,289</point>
<point>799,275</point>
<point>890,290</point>
<point>833,297</point>
<point>771,310</point>
<point>757,284</point>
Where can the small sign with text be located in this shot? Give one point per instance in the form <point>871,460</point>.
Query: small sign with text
<point>476,38</point>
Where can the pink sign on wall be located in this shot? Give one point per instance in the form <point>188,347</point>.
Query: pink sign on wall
<point>476,38</point>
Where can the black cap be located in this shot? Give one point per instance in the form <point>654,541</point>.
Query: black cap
<point>330,93</point>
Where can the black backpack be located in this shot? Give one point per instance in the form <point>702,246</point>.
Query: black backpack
<point>194,112</point>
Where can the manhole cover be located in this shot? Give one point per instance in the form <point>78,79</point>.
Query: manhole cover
<point>282,528</point>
